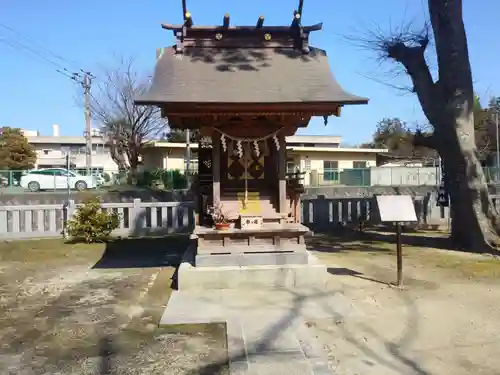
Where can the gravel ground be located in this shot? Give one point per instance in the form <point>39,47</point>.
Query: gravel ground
<point>444,321</point>
<point>59,315</point>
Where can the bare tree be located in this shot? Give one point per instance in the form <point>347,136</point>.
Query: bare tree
<point>125,125</point>
<point>448,104</point>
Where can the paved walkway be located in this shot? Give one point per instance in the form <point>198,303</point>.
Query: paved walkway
<point>266,330</point>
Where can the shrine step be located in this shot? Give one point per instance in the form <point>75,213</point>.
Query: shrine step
<point>252,259</point>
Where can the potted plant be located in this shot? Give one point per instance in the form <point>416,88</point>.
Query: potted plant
<point>220,217</point>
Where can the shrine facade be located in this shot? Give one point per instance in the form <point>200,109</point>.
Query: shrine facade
<point>245,89</point>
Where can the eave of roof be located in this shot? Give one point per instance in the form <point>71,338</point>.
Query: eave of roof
<point>245,77</point>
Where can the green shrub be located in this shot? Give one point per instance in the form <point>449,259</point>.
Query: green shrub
<point>177,179</point>
<point>90,223</point>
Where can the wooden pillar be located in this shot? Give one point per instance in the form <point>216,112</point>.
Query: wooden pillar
<point>282,176</point>
<point>216,160</point>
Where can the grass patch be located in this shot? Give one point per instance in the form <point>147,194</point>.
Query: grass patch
<point>459,263</point>
<point>43,250</point>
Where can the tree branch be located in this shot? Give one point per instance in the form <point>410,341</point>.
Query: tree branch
<point>412,57</point>
<point>125,124</point>
<point>424,140</point>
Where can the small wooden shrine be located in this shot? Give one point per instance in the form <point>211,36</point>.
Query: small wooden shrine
<point>245,88</point>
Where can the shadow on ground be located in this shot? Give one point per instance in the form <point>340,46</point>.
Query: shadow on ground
<point>342,271</point>
<point>107,351</point>
<point>337,241</point>
<point>143,252</point>
<point>400,363</point>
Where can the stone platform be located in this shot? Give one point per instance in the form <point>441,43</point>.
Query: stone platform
<point>265,276</point>
<point>273,244</point>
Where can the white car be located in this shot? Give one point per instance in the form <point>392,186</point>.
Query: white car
<point>56,178</point>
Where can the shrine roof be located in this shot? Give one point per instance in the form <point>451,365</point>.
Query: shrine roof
<point>264,75</point>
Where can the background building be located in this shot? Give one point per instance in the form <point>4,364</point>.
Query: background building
<point>322,158</point>
<point>52,150</point>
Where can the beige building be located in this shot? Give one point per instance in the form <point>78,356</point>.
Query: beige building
<point>320,157</point>
<point>52,150</point>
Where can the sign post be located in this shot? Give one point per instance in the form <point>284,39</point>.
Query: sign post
<point>443,198</point>
<point>397,209</point>
<point>399,255</point>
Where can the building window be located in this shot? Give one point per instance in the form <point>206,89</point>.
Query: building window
<point>290,167</point>
<point>193,162</point>
<point>94,172</point>
<point>46,152</point>
<point>98,149</point>
<point>307,164</point>
<point>359,164</point>
<point>330,170</point>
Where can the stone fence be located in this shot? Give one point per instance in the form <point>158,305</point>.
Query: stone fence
<point>140,218</point>
<point>137,218</point>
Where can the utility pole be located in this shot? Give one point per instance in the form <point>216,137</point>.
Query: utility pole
<point>86,83</point>
<point>498,151</point>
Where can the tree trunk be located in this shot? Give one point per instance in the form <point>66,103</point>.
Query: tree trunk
<point>473,216</point>
<point>448,104</point>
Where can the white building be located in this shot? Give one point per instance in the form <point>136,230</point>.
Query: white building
<point>52,150</point>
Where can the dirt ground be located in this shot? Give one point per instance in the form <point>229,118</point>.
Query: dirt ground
<point>94,309</point>
<point>444,320</point>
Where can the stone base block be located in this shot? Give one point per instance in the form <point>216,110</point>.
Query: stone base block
<point>252,259</point>
<point>313,274</point>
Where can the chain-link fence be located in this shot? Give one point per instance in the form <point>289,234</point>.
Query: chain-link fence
<point>384,176</point>
<point>59,179</point>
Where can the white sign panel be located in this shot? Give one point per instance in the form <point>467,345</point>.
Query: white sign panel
<point>396,208</point>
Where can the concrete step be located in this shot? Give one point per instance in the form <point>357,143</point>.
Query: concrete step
<point>266,331</point>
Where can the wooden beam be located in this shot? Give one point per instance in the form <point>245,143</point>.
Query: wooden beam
<point>270,29</point>
<point>299,108</point>
<point>225,22</point>
<point>260,22</point>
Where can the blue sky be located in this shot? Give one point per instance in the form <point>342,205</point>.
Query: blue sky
<point>88,33</point>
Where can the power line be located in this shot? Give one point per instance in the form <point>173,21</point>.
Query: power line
<point>78,75</point>
<point>41,54</point>
<point>36,56</point>
<point>22,36</point>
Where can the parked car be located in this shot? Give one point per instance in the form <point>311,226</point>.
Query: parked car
<point>56,178</point>
<point>99,179</point>
<point>4,181</point>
